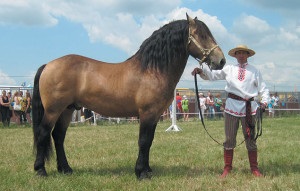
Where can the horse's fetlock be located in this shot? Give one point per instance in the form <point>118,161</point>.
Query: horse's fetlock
<point>41,172</point>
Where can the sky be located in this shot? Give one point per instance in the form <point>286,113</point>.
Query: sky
<point>34,32</point>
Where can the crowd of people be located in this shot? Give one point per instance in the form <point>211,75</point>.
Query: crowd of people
<point>211,106</point>
<point>16,108</point>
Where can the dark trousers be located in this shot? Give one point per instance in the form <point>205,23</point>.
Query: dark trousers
<point>5,114</point>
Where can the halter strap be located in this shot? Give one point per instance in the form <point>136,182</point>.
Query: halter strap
<point>205,52</point>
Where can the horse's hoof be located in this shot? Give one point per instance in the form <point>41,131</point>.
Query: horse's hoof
<point>66,170</point>
<point>41,172</point>
<point>145,176</point>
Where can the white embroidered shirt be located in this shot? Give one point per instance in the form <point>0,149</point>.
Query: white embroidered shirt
<point>242,80</point>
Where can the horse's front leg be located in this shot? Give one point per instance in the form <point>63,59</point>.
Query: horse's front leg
<point>146,135</point>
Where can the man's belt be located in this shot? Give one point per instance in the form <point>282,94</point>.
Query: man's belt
<point>250,125</point>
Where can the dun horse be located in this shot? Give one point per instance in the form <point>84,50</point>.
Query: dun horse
<point>143,86</point>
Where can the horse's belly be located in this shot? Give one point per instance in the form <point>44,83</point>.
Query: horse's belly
<point>115,110</point>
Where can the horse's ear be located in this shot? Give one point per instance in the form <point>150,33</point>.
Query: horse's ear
<point>190,20</point>
<point>195,18</point>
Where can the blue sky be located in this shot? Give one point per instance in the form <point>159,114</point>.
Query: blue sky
<point>34,32</point>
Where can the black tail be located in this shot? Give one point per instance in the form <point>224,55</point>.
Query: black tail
<point>38,110</point>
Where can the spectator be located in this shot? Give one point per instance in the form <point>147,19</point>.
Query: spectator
<point>202,101</point>
<point>11,109</point>
<point>27,101</point>
<point>185,108</point>
<point>271,106</point>
<point>4,108</point>
<point>17,107</point>
<point>178,105</point>
<point>22,101</point>
<point>218,105</point>
<point>210,103</point>
<point>88,115</point>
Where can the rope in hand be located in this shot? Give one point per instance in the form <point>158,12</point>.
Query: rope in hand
<point>199,108</point>
<point>259,117</point>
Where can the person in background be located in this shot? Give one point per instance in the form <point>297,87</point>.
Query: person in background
<point>271,106</point>
<point>218,105</point>
<point>22,101</point>
<point>211,105</point>
<point>202,101</point>
<point>11,108</point>
<point>27,101</point>
<point>4,108</point>
<point>185,108</point>
<point>17,107</point>
<point>88,115</point>
<point>178,105</point>
<point>244,83</point>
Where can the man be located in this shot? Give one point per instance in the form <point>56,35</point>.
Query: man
<point>244,82</point>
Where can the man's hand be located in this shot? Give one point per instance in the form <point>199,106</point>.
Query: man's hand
<point>197,71</point>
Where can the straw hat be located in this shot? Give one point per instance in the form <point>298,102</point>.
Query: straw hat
<point>241,47</point>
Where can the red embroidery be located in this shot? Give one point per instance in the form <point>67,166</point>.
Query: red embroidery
<point>241,72</point>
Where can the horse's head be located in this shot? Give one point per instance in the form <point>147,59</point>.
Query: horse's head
<point>202,45</point>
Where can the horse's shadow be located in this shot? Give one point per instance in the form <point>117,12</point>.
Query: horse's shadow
<point>158,171</point>
<point>270,170</point>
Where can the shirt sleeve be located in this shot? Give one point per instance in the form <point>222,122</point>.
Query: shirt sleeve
<point>213,75</point>
<point>262,89</point>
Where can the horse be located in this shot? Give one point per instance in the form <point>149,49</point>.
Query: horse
<point>143,86</point>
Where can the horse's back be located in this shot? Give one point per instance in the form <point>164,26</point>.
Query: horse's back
<point>69,77</point>
<point>109,89</point>
<point>83,81</point>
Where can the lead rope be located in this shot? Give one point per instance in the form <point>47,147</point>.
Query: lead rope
<point>259,113</point>
<point>199,108</point>
<point>259,117</point>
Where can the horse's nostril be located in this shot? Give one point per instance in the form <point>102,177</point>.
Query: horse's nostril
<point>223,62</point>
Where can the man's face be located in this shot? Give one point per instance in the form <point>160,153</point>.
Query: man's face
<point>241,56</point>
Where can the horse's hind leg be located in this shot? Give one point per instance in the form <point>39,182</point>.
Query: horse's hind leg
<point>146,136</point>
<point>43,146</point>
<point>58,134</point>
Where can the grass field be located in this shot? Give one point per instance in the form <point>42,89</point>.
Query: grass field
<point>103,158</point>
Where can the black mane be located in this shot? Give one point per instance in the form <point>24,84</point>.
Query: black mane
<point>165,46</point>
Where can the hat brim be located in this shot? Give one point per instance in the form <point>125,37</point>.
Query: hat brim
<point>234,50</point>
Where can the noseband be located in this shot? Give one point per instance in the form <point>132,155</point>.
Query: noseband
<point>205,52</point>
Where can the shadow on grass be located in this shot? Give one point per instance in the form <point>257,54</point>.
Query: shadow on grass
<point>279,169</point>
<point>158,171</point>
<point>272,170</point>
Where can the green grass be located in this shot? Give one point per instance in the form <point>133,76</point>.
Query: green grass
<point>103,158</point>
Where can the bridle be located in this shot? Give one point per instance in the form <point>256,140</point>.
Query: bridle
<point>205,52</point>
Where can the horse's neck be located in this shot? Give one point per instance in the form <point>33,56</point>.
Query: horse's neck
<point>176,70</point>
